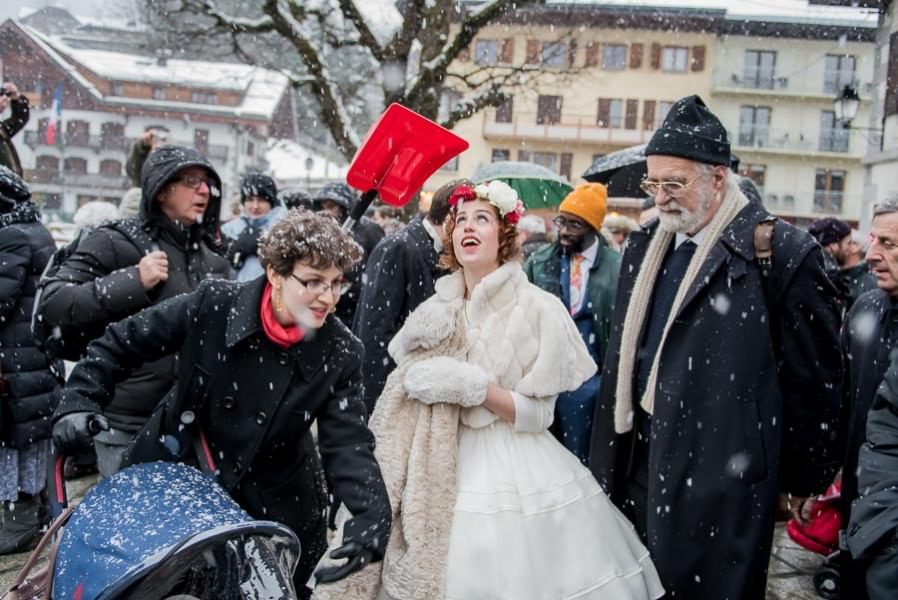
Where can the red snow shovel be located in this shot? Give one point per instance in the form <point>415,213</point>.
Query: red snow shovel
<point>397,156</point>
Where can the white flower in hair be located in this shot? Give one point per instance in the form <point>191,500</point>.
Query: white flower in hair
<point>499,194</point>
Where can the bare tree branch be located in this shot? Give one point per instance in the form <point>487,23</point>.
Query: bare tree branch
<point>492,96</point>
<point>366,38</point>
<point>236,24</point>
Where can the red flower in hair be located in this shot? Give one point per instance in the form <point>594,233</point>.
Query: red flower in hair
<point>463,193</point>
<point>513,217</point>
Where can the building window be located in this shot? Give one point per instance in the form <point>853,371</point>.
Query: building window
<point>47,201</point>
<point>158,93</point>
<point>554,54</point>
<point>663,109</point>
<point>829,188</point>
<point>201,141</point>
<point>77,133</point>
<point>524,155</point>
<point>486,52</point>
<point>758,69</point>
<point>112,135</point>
<point>838,71</point>
<point>110,168</point>
<point>757,174</point>
<point>250,148</point>
<point>548,110</point>
<point>611,112</point>
<point>452,165</point>
<point>118,89</point>
<point>754,125</point>
<point>833,137</point>
<point>505,111</point>
<point>74,166</point>
<point>500,154</point>
<point>674,59</point>
<point>546,159</point>
<point>449,99</point>
<point>614,57</point>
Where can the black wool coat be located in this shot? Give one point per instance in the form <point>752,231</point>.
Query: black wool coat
<point>25,249</point>
<point>400,275</point>
<point>742,409</point>
<point>257,401</point>
<point>873,528</point>
<point>100,284</point>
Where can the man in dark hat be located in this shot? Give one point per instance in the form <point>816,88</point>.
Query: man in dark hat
<point>722,377</point>
<point>261,208</point>
<point>851,277</point>
<point>115,272</point>
<point>337,199</point>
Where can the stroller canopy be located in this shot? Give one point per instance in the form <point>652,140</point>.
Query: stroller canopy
<point>176,526</point>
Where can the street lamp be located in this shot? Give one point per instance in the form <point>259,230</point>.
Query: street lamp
<point>309,165</point>
<point>845,105</point>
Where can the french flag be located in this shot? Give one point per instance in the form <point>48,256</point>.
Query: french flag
<point>55,115</point>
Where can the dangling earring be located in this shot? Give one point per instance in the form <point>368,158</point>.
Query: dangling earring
<point>333,309</point>
<point>278,301</point>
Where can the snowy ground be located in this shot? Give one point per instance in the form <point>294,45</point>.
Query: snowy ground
<point>791,567</point>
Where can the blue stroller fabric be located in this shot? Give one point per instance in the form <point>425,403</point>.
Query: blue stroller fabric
<point>156,517</point>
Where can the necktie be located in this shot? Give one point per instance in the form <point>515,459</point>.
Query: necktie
<point>576,283</point>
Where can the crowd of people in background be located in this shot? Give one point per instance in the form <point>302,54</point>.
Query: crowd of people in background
<point>667,382</point>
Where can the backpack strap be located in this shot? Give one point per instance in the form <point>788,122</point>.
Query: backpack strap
<point>133,229</point>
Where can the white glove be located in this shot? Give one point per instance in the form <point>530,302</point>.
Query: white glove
<point>444,379</point>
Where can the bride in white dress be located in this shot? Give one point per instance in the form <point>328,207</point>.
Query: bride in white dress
<point>530,522</point>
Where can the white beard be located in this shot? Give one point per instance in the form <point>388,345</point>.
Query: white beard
<point>684,221</point>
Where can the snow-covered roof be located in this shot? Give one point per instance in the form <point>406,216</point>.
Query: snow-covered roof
<point>287,161</point>
<point>782,11</point>
<point>262,88</point>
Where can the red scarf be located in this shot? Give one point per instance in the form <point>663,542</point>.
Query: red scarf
<point>277,333</point>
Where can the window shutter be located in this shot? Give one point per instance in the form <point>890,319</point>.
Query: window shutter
<point>592,55</point>
<point>604,116</point>
<point>507,55</point>
<point>567,161</point>
<point>524,155</point>
<point>891,103</point>
<point>698,58</point>
<point>533,47</point>
<point>635,56</point>
<point>648,115</point>
<point>631,114</point>
<point>656,56</point>
<point>572,53</point>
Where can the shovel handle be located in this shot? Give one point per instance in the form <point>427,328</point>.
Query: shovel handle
<point>355,215</point>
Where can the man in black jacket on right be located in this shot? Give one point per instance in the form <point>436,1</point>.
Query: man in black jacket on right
<point>400,275</point>
<point>108,278</point>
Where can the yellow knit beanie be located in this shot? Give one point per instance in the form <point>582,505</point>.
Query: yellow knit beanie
<point>589,202</point>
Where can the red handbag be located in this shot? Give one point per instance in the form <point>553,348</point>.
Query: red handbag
<point>821,534</point>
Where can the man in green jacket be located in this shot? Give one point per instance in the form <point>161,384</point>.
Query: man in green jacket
<point>582,271</point>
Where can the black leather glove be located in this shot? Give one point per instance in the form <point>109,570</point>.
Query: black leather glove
<point>75,431</point>
<point>246,244</point>
<point>358,556</point>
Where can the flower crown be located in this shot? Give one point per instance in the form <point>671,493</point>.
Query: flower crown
<point>499,194</point>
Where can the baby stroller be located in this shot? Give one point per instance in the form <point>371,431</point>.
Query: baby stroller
<point>161,530</point>
<point>821,535</point>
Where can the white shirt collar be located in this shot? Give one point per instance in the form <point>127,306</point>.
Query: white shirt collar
<point>697,239</point>
<point>432,232</point>
<point>590,253</point>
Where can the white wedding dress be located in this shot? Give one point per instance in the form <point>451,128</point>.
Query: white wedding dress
<point>530,522</point>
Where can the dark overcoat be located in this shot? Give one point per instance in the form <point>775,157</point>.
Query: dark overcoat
<point>742,409</point>
<point>257,403</point>
<point>25,248</point>
<point>873,528</point>
<point>399,276</point>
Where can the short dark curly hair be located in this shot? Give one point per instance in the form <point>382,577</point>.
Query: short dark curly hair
<point>509,249</point>
<point>307,237</point>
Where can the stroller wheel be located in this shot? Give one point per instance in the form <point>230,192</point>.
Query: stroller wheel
<point>826,582</point>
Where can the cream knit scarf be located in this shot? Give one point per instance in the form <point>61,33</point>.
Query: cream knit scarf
<point>640,300</point>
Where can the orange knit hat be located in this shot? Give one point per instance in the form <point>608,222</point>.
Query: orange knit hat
<point>589,202</point>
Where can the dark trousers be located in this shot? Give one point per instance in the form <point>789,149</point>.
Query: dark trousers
<point>573,418</point>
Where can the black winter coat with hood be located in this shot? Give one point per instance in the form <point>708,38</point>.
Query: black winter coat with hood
<point>256,402</point>
<point>747,404</point>
<point>25,248</point>
<point>100,283</point>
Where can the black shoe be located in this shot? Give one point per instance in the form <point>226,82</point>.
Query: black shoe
<point>22,524</point>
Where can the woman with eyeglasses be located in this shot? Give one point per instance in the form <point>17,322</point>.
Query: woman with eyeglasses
<point>259,362</point>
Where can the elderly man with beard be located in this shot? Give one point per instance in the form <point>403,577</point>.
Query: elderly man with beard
<point>582,271</point>
<point>721,381</point>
